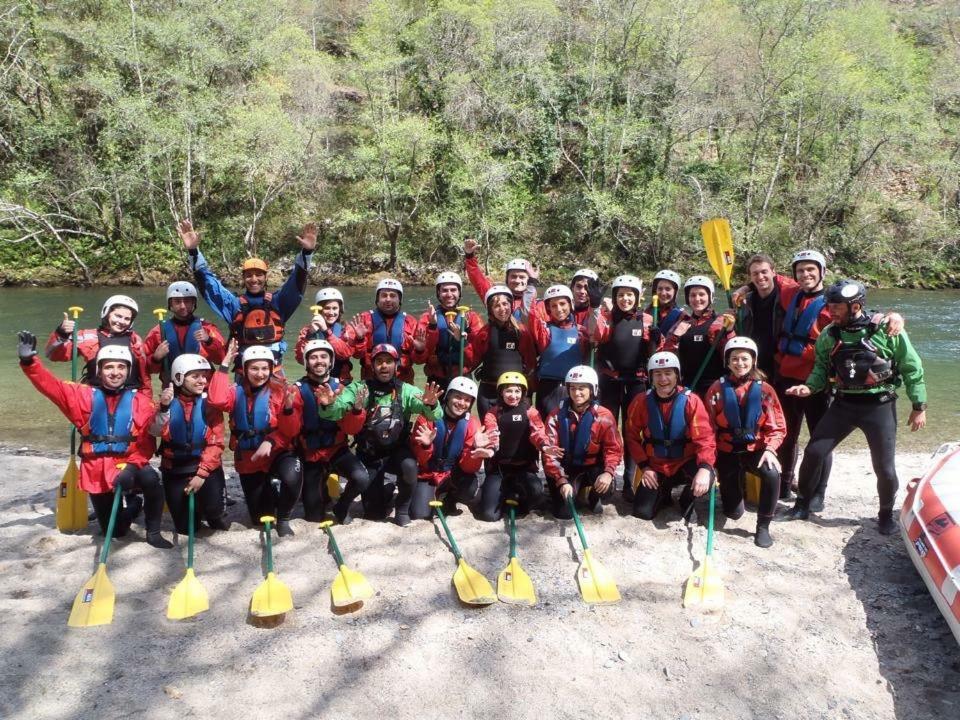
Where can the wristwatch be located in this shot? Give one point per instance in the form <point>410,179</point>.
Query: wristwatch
<point>919,407</point>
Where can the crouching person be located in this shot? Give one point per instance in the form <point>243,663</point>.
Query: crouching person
<point>115,445</point>
<point>672,441</point>
<point>191,444</point>
<point>589,442</point>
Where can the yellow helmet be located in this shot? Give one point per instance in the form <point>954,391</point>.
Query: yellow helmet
<point>511,377</point>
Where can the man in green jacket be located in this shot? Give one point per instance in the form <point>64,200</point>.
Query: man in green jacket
<point>387,406</point>
<point>866,368</point>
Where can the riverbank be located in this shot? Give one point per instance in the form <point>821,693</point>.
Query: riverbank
<point>832,622</point>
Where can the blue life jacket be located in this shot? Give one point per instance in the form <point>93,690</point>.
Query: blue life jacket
<point>187,438</point>
<point>561,354</point>
<point>448,349</point>
<point>191,345</point>
<point>110,433</point>
<point>380,329</point>
<point>447,449</point>
<point>670,319</point>
<point>795,334</point>
<point>250,427</point>
<point>742,420</point>
<point>316,433</point>
<point>575,448</point>
<point>667,442</point>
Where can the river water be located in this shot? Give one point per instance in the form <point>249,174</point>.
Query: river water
<point>28,419</point>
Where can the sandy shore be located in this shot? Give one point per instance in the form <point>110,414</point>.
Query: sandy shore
<point>832,622</point>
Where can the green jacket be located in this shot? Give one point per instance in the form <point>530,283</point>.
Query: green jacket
<point>409,400</point>
<point>908,369</point>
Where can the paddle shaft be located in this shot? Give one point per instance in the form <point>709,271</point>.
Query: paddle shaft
<point>576,520</point>
<point>191,509</point>
<point>453,543</point>
<point>463,318</point>
<point>713,496</point>
<point>105,551</point>
<point>73,376</point>
<point>336,548</point>
<point>513,531</point>
<point>706,360</point>
<point>266,529</point>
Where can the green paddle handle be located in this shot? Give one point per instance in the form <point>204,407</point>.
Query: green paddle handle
<point>266,530</point>
<point>463,322</point>
<point>336,548</point>
<point>706,360</point>
<point>105,551</point>
<point>713,496</point>
<point>513,531</point>
<point>736,310</point>
<point>191,510</point>
<point>453,543</point>
<point>576,520</point>
<point>73,376</point>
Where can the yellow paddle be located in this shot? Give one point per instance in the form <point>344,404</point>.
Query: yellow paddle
<point>472,587</point>
<point>596,583</point>
<point>71,500</point>
<point>349,587</point>
<point>94,603</point>
<point>333,486</point>
<point>513,583</point>
<point>271,597</point>
<point>718,242</point>
<point>189,597</point>
<point>704,588</point>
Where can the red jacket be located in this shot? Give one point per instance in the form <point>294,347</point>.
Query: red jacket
<point>701,444</point>
<point>88,345</point>
<point>603,334</point>
<point>771,429</point>
<point>75,401</point>
<point>211,456</point>
<point>536,437</point>
<point>580,315</point>
<point>283,426</point>
<point>343,348</point>
<point>350,424</point>
<point>213,350</point>
<point>799,367</point>
<point>481,283</point>
<point>363,347</point>
<point>479,343</point>
<point>604,447</point>
<point>423,454</point>
<point>434,368</point>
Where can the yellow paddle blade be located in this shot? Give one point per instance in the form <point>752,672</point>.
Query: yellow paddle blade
<point>271,597</point>
<point>514,585</point>
<point>751,489</point>
<point>94,603</point>
<point>188,598</point>
<point>472,587</point>
<point>718,242</point>
<point>349,588</point>
<point>596,583</point>
<point>333,486</point>
<point>704,588</point>
<point>71,501</point>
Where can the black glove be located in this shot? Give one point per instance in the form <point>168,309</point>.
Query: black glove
<point>596,293</point>
<point>26,346</point>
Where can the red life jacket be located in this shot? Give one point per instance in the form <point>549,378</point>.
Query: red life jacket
<point>257,324</point>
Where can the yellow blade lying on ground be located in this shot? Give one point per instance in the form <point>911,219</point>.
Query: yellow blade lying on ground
<point>349,588</point>
<point>514,585</point>
<point>597,585</point>
<point>188,598</point>
<point>71,501</point>
<point>271,597</point>
<point>472,587</point>
<point>704,588</point>
<point>94,603</point>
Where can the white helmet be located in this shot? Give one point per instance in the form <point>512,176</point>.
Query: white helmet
<point>312,345</point>
<point>740,343</point>
<point>557,291</point>
<point>463,384</point>
<point>328,293</point>
<point>123,300</point>
<point>810,256</point>
<point>662,361</point>
<point>517,264</point>
<point>586,273</point>
<point>697,281</point>
<point>187,363</point>
<point>389,284</point>
<point>449,278</point>
<point>497,290</point>
<point>258,352</point>
<point>669,276</point>
<point>583,375</point>
<point>181,289</point>
<point>114,352</point>
<point>627,281</point>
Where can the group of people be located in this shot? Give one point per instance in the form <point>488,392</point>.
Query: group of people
<point>560,383</point>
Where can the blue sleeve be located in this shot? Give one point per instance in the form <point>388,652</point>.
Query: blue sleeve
<point>223,302</point>
<point>287,299</point>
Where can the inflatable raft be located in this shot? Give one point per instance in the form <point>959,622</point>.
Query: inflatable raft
<point>930,525</point>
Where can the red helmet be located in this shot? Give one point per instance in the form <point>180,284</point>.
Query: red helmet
<point>385,348</point>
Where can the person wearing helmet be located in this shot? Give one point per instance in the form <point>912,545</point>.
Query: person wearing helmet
<point>519,275</point>
<point>502,345</point>
<point>322,444</point>
<point>519,436</point>
<point>450,451</point>
<point>590,445</point>
<point>112,420</point>
<point>666,286</point>
<point>387,324</point>
<point>191,444</point>
<point>263,426</point>
<point>116,328</point>
<point>672,442</point>
<point>695,337</point>
<point>746,414</point>
<point>183,333</point>
<point>384,407</point>
<point>865,366</point>
<point>255,316</point>
<point>561,344</point>
<point>329,325</point>
<point>441,326</point>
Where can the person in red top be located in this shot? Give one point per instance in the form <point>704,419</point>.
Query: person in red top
<point>329,325</point>
<point>442,352</point>
<point>748,419</point>
<point>561,343</point>
<point>590,446</point>
<point>519,436</point>
<point>183,333</point>
<point>388,324</point>
<point>191,444</point>
<point>112,420</point>
<point>263,424</point>
<point>666,286</point>
<point>672,441</point>
<point>116,323</point>
<point>587,297</point>
<point>519,275</point>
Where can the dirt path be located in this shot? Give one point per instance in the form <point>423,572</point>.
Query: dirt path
<point>832,622</point>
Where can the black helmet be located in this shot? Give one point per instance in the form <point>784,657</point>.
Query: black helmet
<point>846,291</point>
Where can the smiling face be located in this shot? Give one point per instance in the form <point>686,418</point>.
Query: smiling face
<point>740,362</point>
<point>458,403</point>
<point>580,295</point>
<point>254,281</point>
<point>665,381</point>
<point>517,281</point>
<point>500,308</point>
<point>699,299</point>
<point>626,299</point>
<point>666,292</point>
<point>388,302</point>
<point>195,382</point>
<point>318,364</point>
<point>257,372</point>
<point>761,275</point>
<point>559,309</point>
<point>119,319</point>
<point>579,394</point>
<point>331,311</point>
<point>182,308</point>
<point>511,395</point>
<point>113,373</point>
<point>384,367</point>
<point>808,275</point>
<point>448,295</point>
